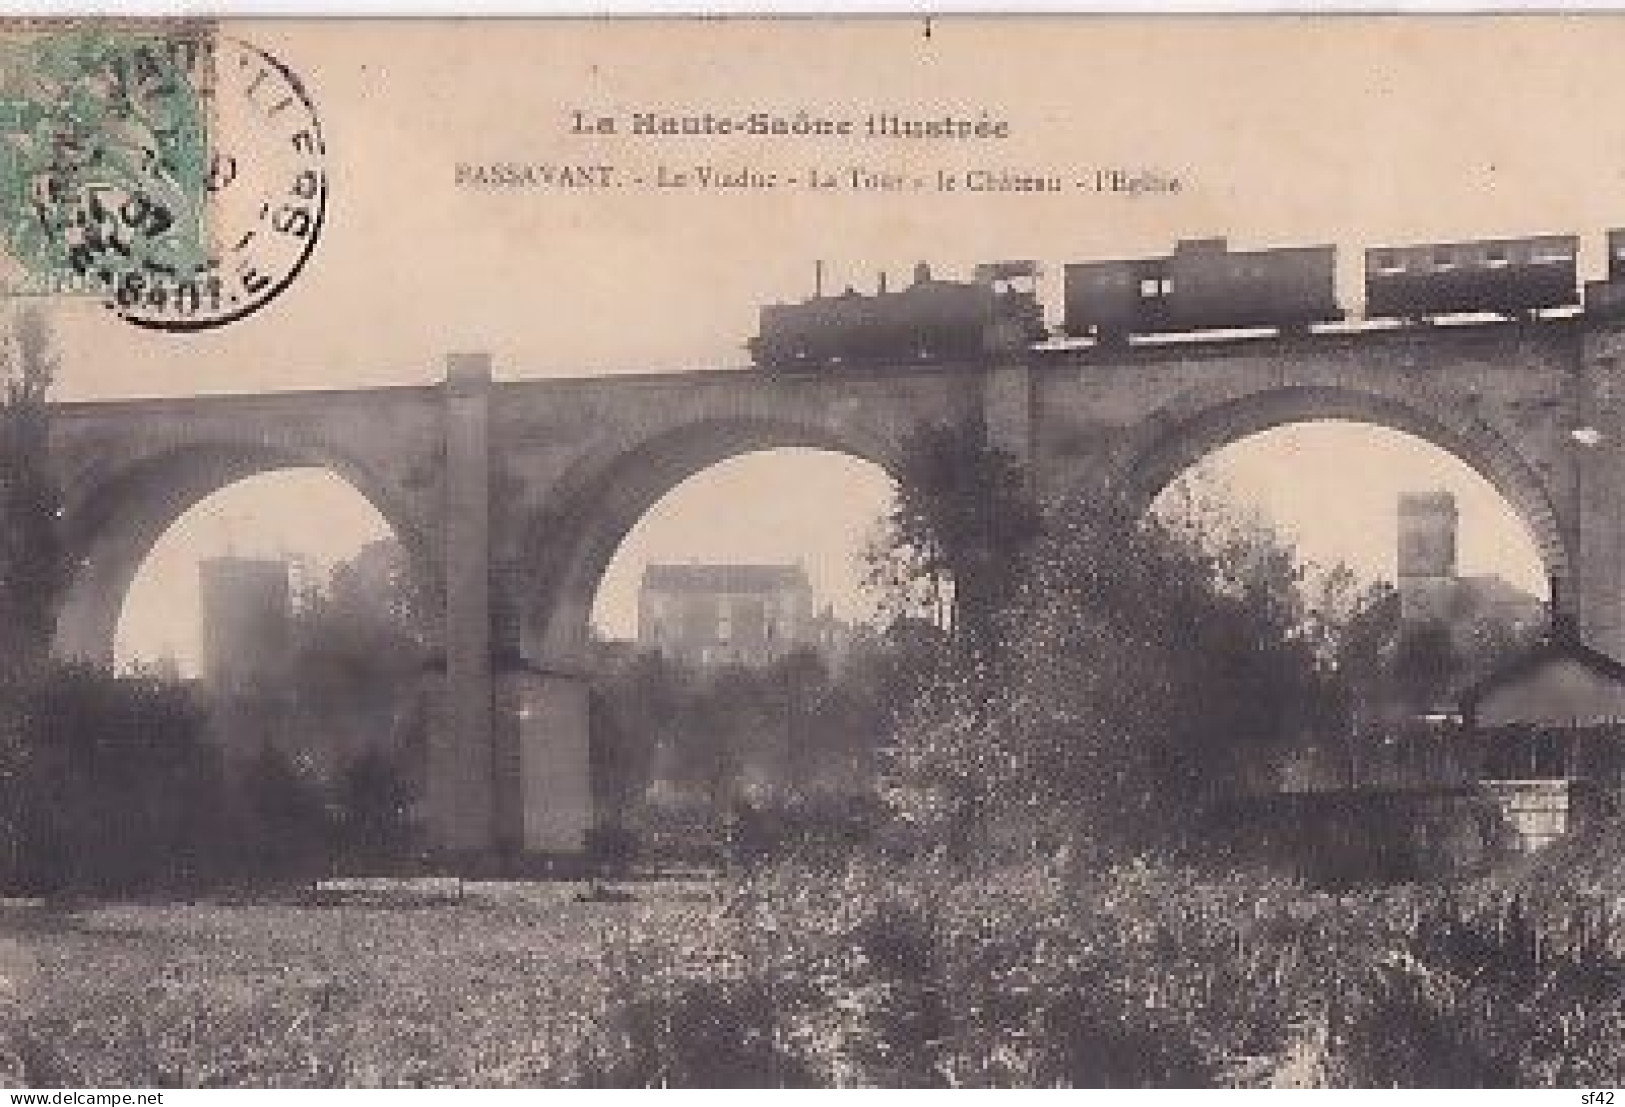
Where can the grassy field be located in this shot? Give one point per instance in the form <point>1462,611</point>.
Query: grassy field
<point>497,990</point>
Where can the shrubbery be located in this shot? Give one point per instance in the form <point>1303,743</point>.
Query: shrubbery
<point>110,785</point>
<point>1141,974</point>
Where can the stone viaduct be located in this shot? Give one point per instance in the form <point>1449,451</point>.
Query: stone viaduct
<point>511,496</point>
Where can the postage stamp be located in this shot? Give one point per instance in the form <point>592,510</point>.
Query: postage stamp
<point>175,174</point>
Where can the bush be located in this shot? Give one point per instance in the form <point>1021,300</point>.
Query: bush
<point>110,785</point>
<point>1141,661</point>
<point>114,787</point>
<point>1142,974</point>
<point>375,822</point>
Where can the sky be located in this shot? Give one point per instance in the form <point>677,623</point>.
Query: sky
<point>1355,131</point>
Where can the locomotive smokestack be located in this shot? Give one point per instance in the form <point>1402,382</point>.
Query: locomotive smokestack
<point>881,288</point>
<point>818,278</point>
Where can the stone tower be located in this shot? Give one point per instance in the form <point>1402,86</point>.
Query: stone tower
<point>1427,554</point>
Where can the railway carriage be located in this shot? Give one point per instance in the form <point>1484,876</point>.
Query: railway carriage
<point>1202,285</point>
<point>1502,276</point>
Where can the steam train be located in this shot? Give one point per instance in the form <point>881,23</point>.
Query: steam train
<point>1201,286</point>
<point>930,320</point>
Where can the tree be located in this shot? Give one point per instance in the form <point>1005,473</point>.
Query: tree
<point>357,657</point>
<point>375,809</point>
<point>1142,655</point>
<point>289,828</point>
<point>956,539</point>
<point>33,570</point>
<point>119,791</point>
<point>1426,664</point>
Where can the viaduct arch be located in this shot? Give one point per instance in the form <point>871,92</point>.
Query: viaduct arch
<point>1206,420</point>
<point>511,496</point>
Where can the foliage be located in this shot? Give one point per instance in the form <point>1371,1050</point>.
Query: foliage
<point>1426,664</point>
<point>376,825</point>
<point>357,660</point>
<point>955,540</point>
<point>1142,658</point>
<point>1138,974</point>
<point>682,753</point>
<point>118,791</point>
<point>870,973</point>
<point>33,568</point>
<point>33,571</point>
<point>495,991</point>
<point>121,791</point>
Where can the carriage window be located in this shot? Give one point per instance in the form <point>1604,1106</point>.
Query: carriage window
<point>1496,257</point>
<point>1150,288</point>
<point>1385,261</point>
<point>1442,259</point>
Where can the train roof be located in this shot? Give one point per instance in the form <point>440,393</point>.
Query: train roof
<point>1206,247</point>
<point>1567,240</point>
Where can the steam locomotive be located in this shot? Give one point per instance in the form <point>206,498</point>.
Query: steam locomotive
<point>931,320</point>
<point>1201,286</point>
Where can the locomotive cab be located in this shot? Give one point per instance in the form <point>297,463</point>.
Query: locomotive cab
<point>1018,316</point>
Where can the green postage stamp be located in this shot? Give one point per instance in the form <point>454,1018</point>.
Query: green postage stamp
<point>175,174</point>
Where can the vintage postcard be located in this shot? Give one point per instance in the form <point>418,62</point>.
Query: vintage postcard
<point>826,552</point>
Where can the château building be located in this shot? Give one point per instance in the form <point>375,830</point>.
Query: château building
<point>712,615</point>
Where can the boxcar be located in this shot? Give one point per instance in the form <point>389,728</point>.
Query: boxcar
<point>1506,276</point>
<point>1203,286</point>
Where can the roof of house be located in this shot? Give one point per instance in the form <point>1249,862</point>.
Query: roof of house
<point>724,578</point>
<point>1559,683</point>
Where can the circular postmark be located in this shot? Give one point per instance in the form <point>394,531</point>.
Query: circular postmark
<point>180,178</point>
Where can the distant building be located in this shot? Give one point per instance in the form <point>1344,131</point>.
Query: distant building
<point>1548,736</point>
<point>1427,554</point>
<point>247,624</point>
<point>726,614</point>
<point>1430,589</point>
